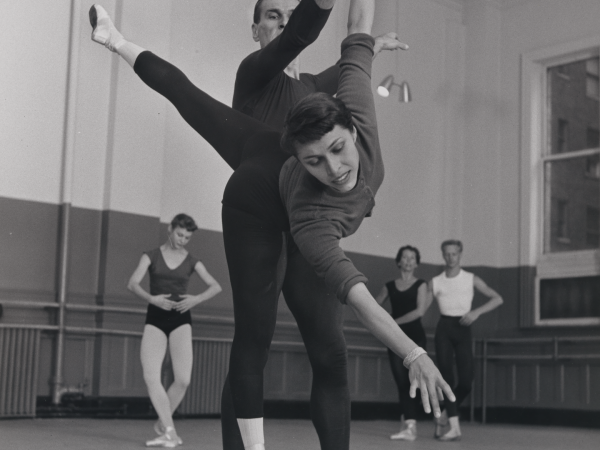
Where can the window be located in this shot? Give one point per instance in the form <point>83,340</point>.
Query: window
<point>593,226</point>
<point>558,224</point>
<point>561,183</point>
<point>562,138</point>
<point>591,82</point>
<point>593,162</point>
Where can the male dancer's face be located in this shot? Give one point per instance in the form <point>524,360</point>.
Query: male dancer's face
<point>274,16</point>
<point>333,159</point>
<point>452,256</point>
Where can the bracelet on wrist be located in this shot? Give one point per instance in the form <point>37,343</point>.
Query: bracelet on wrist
<point>412,356</point>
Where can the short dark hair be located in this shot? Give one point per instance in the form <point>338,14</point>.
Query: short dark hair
<point>256,18</point>
<point>184,221</point>
<point>312,118</point>
<point>257,11</point>
<point>412,249</point>
<point>452,242</point>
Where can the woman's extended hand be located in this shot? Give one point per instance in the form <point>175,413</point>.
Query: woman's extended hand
<point>162,302</point>
<point>424,375</point>
<point>186,303</point>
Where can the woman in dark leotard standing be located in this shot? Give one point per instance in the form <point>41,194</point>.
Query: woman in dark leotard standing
<point>409,298</point>
<point>169,321</point>
<point>321,195</point>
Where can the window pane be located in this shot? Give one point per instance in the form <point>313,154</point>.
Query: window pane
<point>572,201</point>
<point>567,298</point>
<point>573,92</point>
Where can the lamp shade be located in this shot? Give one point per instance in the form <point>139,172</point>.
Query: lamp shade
<point>405,96</point>
<point>384,87</point>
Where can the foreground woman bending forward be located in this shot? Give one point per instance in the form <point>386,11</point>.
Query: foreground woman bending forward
<point>320,195</point>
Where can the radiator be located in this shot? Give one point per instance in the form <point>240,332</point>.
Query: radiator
<point>19,356</point>
<point>211,362</point>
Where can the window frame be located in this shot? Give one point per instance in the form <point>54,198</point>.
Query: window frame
<point>534,142</point>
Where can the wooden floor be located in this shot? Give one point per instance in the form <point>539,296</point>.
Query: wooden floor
<point>205,434</point>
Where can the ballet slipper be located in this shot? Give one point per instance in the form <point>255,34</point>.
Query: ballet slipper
<point>160,429</point>
<point>104,32</point>
<point>450,436</point>
<point>407,434</point>
<point>168,440</point>
<point>454,433</point>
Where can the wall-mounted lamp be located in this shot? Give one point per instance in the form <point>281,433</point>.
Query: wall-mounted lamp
<point>385,87</point>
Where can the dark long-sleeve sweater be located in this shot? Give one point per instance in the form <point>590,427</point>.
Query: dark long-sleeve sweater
<point>320,216</point>
<point>263,90</point>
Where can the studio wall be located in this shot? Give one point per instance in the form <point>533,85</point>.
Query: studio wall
<point>128,162</point>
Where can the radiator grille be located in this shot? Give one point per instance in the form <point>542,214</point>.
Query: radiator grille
<point>211,362</point>
<point>19,355</point>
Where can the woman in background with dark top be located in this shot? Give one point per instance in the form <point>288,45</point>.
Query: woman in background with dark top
<point>409,298</point>
<point>169,321</point>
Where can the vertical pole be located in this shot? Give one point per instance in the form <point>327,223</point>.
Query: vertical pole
<point>66,185</point>
<point>472,396</point>
<point>484,383</point>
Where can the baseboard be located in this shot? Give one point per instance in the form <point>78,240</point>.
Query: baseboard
<point>540,416</point>
<point>141,408</point>
<point>98,407</point>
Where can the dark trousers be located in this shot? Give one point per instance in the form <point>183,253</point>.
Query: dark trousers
<point>453,342</point>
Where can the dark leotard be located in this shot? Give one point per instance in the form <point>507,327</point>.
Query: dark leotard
<point>166,281</point>
<point>402,303</point>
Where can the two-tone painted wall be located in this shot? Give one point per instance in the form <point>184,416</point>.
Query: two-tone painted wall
<point>78,126</point>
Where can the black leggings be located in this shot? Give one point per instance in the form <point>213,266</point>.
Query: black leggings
<point>454,340</point>
<point>262,261</point>
<point>408,405</point>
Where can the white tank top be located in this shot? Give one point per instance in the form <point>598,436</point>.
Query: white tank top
<point>454,295</point>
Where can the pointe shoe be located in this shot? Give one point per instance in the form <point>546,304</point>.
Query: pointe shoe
<point>160,429</point>
<point>408,434</point>
<point>450,436</point>
<point>104,31</point>
<point>168,440</point>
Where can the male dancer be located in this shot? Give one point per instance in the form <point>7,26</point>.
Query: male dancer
<point>453,290</point>
<point>268,84</point>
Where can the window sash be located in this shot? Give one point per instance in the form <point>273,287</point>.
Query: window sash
<point>534,157</point>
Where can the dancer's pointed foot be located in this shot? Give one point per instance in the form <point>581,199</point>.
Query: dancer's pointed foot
<point>160,429</point>
<point>451,435</point>
<point>104,31</point>
<point>407,434</point>
<point>168,440</point>
<point>454,433</point>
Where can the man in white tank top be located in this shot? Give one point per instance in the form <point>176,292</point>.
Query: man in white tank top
<point>453,289</point>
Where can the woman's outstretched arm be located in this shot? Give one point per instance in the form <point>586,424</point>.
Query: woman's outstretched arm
<point>422,372</point>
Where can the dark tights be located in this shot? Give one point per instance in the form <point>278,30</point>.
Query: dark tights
<point>454,340</point>
<point>262,261</point>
